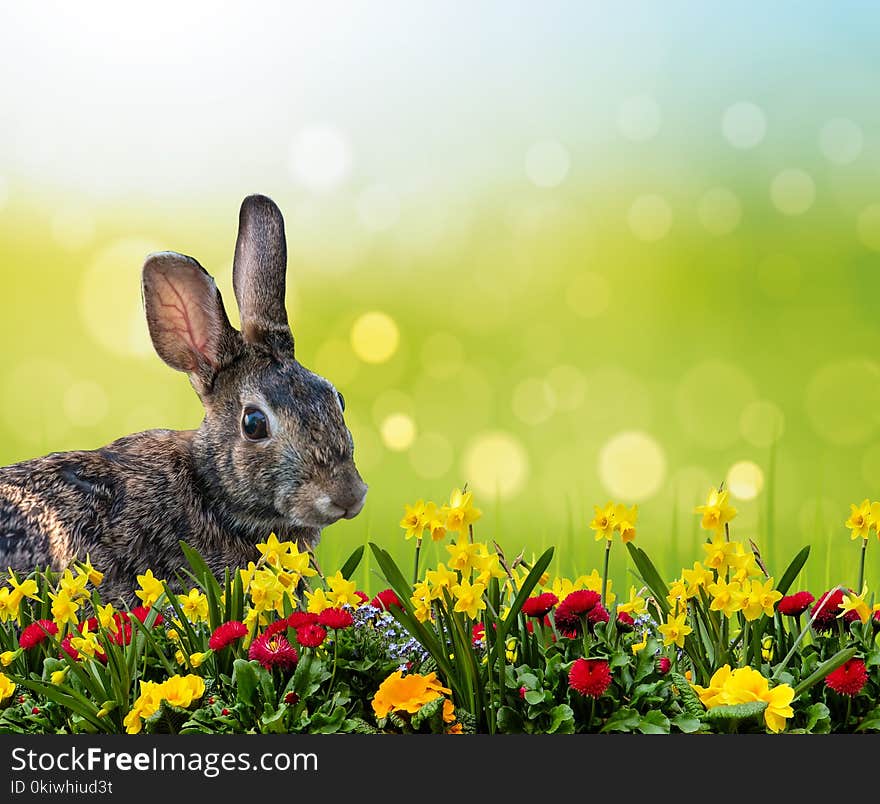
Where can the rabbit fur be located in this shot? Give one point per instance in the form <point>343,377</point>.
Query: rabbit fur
<point>127,505</point>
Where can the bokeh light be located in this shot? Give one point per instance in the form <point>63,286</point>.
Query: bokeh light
<point>745,479</point>
<point>496,465</point>
<point>744,125</point>
<point>547,163</point>
<point>374,337</point>
<point>320,157</point>
<point>650,217</point>
<point>632,466</point>
<point>793,191</point>
<point>398,432</point>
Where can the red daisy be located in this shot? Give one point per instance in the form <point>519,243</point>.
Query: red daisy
<point>625,623</point>
<point>795,605</point>
<point>581,601</point>
<point>335,618</point>
<point>827,609</point>
<point>36,632</point>
<point>478,633</point>
<point>364,597</point>
<point>278,627</point>
<point>540,605</point>
<point>849,678</point>
<point>273,650</point>
<point>67,648</point>
<point>598,614</point>
<point>663,665</point>
<point>590,677</point>
<point>875,620</point>
<point>385,599</point>
<point>567,622</point>
<point>300,618</point>
<point>226,634</point>
<point>310,636</point>
<point>141,613</point>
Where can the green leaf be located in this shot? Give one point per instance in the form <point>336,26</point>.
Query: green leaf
<point>654,722</point>
<point>561,720</point>
<point>352,563</point>
<point>687,724</point>
<point>693,707</point>
<point>623,719</point>
<point>871,721</point>
<point>825,668</point>
<point>789,576</point>
<point>650,576</point>
<point>818,719</point>
<point>736,712</point>
<point>201,569</point>
<point>534,697</point>
<point>322,723</point>
<point>508,721</point>
<point>246,682</point>
<point>525,590</point>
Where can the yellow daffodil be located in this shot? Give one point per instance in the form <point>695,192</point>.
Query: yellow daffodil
<point>716,513</point>
<point>459,513</point>
<point>318,601</point>
<point>727,598</point>
<point>266,590</point>
<point>421,600</point>
<point>853,602</point>
<point>438,580</point>
<point>342,592</point>
<point>697,578</point>
<point>194,605</point>
<point>720,553</point>
<point>8,657</point>
<point>678,593</point>
<point>463,555</point>
<point>625,521</point>
<point>469,598</point>
<point>58,676</point>
<point>64,609</point>
<point>8,605</point>
<point>593,582</point>
<point>744,564</point>
<point>26,588</point>
<point>635,606</point>
<point>675,629</point>
<point>435,522</point>
<point>637,646</point>
<point>86,643</point>
<point>604,521</point>
<point>760,599</point>
<point>150,588</point>
<point>767,648</point>
<point>106,616</point>
<point>488,566</point>
<point>198,659</point>
<point>413,521</point>
<point>94,577</point>
<point>860,520</point>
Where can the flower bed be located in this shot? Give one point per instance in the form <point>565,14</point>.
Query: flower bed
<point>479,643</point>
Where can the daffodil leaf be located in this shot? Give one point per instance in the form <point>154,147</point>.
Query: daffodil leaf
<point>825,668</point>
<point>650,576</point>
<point>794,569</point>
<point>352,563</point>
<point>200,568</point>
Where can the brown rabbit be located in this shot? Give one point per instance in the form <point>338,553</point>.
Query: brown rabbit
<point>272,453</point>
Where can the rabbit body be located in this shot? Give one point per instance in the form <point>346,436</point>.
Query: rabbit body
<point>272,454</point>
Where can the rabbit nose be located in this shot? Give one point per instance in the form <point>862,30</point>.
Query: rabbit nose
<point>355,501</point>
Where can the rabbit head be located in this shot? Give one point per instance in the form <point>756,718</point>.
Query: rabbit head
<point>273,452</point>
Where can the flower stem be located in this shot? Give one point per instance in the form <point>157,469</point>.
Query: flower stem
<point>605,570</point>
<point>416,567</point>
<point>862,567</point>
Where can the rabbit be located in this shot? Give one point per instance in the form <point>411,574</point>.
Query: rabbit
<point>272,454</point>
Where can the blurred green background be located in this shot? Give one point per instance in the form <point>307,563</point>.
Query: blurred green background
<point>560,252</point>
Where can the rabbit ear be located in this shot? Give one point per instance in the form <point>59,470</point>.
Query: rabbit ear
<point>258,274</point>
<point>185,314</point>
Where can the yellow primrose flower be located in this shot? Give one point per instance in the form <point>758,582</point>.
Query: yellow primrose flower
<point>637,646</point>
<point>145,705</point>
<point>727,598</point>
<point>151,588</point>
<point>64,609</point>
<point>635,606</point>
<point>459,513</point>
<point>318,601</point>
<point>400,693</point>
<point>715,693</point>
<point>413,521</point>
<point>194,605</point>
<point>469,598</point>
<point>342,591</point>
<point>747,684</point>
<point>183,690</point>
<point>716,513</point>
<point>625,522</point>
<point>853,602</point>
<point>675,629</point>
<point>604,521</point>
<point>860,520</point>
<point>7,687</point>
<point>462,554</point>
<point>720,553</point>
<point>761,599</point>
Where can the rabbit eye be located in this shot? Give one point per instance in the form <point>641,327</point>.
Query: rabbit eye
<point>341,401</point>
<point>254,424</point>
